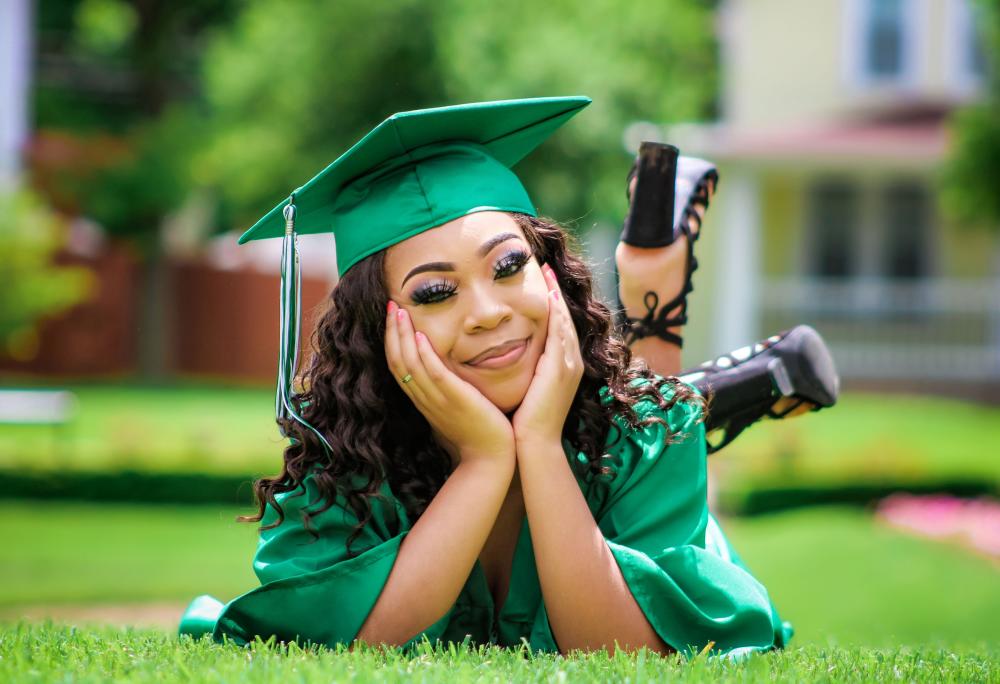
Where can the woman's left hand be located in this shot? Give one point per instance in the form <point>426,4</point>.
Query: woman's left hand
<point>542,413</point>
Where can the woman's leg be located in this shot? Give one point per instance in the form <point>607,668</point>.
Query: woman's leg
<point>662,270</point>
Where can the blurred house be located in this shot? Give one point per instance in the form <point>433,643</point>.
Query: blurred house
<point>833,127</point>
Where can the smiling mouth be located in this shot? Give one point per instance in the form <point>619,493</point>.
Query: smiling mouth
<point>500,355</point>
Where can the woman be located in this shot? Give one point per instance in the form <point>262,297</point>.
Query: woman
<point>465,387</point>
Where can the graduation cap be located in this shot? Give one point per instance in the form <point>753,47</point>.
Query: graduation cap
<point>414,171</point>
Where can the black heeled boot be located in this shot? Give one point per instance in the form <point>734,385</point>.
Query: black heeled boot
<point>667,189</point>
<point>743,386</point>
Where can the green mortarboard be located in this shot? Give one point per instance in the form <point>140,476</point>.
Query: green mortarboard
<point>419,169</point>
<point>414,171</point>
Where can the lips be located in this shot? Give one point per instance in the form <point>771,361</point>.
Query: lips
<point>495,351</point>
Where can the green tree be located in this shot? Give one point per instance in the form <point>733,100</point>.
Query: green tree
<point>648,60</point>
<point>293,83</point>
<point>128,66</point>
<point>33,286</point>
<point>972,172</point>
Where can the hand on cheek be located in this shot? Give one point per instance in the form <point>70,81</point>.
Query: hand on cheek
<point>466,421</point>
<point>542,413</point>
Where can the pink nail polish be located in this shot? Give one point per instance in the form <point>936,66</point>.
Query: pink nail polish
<point>400,314</point>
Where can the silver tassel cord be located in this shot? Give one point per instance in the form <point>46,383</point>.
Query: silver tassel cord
<point>290,326</point>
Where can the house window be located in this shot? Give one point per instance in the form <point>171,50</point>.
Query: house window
<point>884,39</point>
<point>833,219</point>
<point>971,40</point>
<point>905,219</point>
<point>860,229</point>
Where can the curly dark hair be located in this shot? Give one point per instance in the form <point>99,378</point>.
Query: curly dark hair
<point>350,396</point>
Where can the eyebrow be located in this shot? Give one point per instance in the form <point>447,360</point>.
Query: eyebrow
<point>483,250</point>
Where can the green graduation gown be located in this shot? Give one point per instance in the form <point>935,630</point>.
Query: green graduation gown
<point>653,512</point>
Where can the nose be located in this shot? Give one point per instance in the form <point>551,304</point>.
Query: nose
<point>486,308</point>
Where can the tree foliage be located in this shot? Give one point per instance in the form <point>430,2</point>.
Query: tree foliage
<point>293,83</point>
<point>128,69</point>
<point>645,60</point>
<point>249,99</point>
<point>33,286</point>
<point>972,173</point>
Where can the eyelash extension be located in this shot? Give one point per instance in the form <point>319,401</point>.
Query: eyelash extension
<point>433,292</point>
<point>509,264</point>
<point>514,259</point>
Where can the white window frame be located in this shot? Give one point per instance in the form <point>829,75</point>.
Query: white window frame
<point>853,45</point>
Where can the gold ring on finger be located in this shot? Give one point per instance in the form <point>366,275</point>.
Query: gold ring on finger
<point>407,378</point>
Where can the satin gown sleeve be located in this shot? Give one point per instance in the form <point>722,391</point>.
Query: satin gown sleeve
<point>678,566</point>
<point>311,590</point>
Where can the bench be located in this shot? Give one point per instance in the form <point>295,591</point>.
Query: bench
<point>37,407</point>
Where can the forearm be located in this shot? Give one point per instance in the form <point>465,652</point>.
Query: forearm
<point>438,553</point>
<point>588,602</point>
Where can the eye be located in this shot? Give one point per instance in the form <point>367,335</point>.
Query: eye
<point>433,292</point>
<point>510,263</point>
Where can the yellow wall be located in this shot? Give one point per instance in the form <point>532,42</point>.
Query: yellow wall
<point>780,60</point>
<point>959,251</point>
<point>785,61</point>
<point>781,233</point>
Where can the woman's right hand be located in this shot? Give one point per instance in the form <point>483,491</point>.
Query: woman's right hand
<point>468,424</point>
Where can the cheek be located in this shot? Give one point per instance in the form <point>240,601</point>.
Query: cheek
<point>440,332</point>
<point>534,299</point>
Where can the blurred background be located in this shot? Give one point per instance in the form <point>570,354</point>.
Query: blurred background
<point>858,143</point>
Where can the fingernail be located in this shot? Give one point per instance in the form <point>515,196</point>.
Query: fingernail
<point>389,306</point>
<point>420,336</point>
<point>399,314</point>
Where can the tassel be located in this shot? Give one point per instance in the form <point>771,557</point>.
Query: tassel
<point>290,327</point>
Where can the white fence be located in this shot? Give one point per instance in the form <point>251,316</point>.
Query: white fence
<point>935,329</point>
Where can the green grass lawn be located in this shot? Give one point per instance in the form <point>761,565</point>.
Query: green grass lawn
<point>87,553</point>
<point>46,652</point>
<point>870,438</point>
<point>231,430</point>
<point>181,428</point>
<point>838,576</point>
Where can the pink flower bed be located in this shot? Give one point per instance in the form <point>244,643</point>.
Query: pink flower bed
<point>972,522</point>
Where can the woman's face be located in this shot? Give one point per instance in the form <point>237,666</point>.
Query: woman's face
<point>474,289</point>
